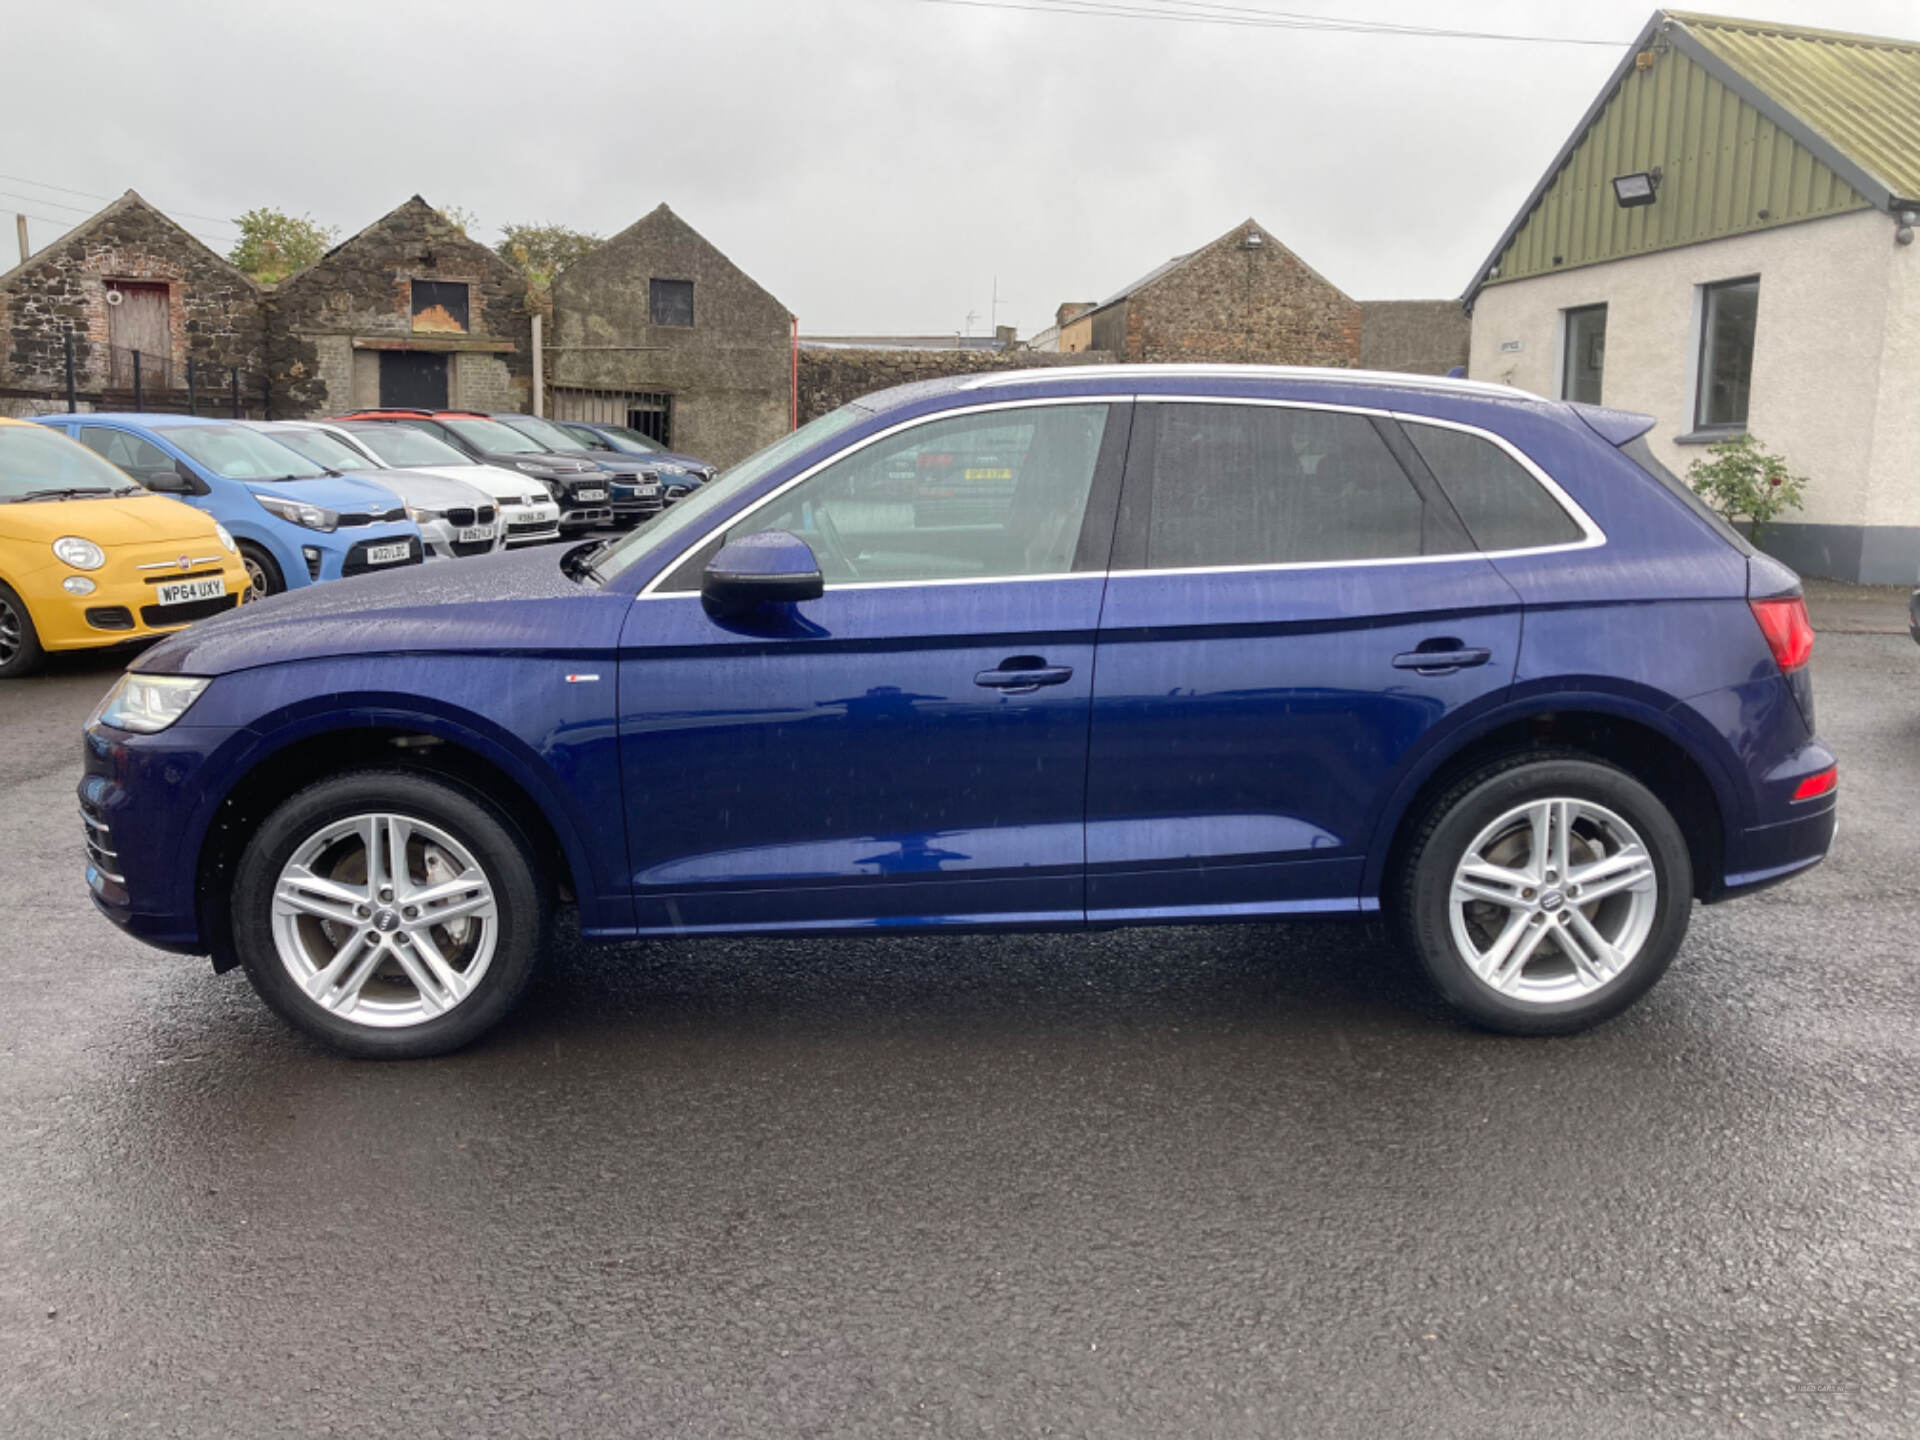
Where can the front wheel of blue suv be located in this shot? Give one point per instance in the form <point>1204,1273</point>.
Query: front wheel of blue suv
<point>1544,893</point>
<point>390,914</point>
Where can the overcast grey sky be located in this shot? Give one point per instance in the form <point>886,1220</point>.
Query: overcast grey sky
<point>874,163</point>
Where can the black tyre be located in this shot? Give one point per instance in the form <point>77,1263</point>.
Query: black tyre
<point>263,571</point>
<point>20,652</point>
<point>1544,894</point>
<point>389,913</point>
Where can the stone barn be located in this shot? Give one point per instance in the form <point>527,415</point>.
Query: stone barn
<point>659,330</point>
<point>408,312</point>
<point>127,281</point>
<point>1243,298</point>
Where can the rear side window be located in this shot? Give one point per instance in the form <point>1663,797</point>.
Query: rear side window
<point>1503,506</point>
<point>1268,485</point>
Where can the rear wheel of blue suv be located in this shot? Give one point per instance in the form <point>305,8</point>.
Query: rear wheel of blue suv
<point>1068,650</point>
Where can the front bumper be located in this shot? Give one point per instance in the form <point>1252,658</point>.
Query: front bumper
<point>126,601</point>
<point>530,524</point>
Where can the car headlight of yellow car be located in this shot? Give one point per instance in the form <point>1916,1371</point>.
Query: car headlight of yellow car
<point>148,704</point>
<point>81,554</point>
<point>225,538</point>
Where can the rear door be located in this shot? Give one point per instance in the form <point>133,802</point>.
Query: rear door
<point>911,748</point>
<point>1293,604</point>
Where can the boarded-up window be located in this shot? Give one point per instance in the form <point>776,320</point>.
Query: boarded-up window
<point>670,302</point>
<point>440,307</point>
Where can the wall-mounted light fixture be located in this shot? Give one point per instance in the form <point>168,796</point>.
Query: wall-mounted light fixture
<point>1905,220</point>
<point>1639,188</point>
<point>1252,240</point>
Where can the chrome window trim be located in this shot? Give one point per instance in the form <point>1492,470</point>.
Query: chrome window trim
<point>1592,535</point>
<point>1590,529</point>
<point>650,591</point>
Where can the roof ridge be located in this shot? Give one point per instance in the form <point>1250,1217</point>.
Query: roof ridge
<point>1702,20</point>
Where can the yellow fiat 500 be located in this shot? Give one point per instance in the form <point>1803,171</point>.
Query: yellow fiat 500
<point>88,558</point>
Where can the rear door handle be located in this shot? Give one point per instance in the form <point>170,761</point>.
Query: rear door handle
<point>1442,662</point>
<point>1023,673</point>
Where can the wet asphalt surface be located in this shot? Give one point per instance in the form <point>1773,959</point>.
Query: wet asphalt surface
<point>1237,1181</point>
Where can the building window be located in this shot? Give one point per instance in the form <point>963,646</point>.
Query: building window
<point>670,302</point>
<point>439,307</point>
<point>1727,315</point>
<point>1586,354</point>
<point>648,411</point>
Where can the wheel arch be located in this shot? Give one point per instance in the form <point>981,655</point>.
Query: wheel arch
<point>1640,739</point>
<point>430,744</point>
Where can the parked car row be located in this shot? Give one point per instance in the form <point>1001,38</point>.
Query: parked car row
<point>286,504</point>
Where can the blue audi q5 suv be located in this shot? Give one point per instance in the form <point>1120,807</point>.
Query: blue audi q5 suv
<point>1061,650</point>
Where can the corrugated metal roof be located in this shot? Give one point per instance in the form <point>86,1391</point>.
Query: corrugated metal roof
<point>1860,93</point>
<point>1752,124</point>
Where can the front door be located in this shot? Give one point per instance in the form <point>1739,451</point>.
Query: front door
<point>413,380</point>
<point>911,748</point>
<point>1291,607</point>
<point>138,322</point>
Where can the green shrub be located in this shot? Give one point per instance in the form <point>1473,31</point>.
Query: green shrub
<point>1745,482</point>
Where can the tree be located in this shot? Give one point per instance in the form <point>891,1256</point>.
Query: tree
<point>462,219</point>
<point>274,244</point>
<point>543,252</point>
<point>1744,482</point>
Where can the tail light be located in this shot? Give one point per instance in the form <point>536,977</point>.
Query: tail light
<point>1789,633</point>
<point>1823,782</point>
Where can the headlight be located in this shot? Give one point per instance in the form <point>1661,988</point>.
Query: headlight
<point>532,467</point>
<point>298,512</point>
<point>77,585</point>
<point>665,467</point>
<point>420,515</point>
<point>80,554</point>
<point>225,539</point>
<point>148,704</point>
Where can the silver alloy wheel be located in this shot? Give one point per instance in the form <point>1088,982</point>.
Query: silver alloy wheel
<point>12,637</point>
<point>256,574</point>
<point>1553,900</point>
<point>384,920</point>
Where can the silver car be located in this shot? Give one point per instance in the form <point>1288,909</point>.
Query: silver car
<point>529,515</point>
<point>456,520</point>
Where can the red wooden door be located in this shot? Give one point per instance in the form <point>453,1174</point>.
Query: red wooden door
<point>139,322</point>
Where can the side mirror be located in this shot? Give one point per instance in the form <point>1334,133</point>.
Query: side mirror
<point>772,567</point>
<point>171,482</point>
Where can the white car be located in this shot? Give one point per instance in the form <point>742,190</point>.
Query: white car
<point>529,515</point>
<point>457,520</point>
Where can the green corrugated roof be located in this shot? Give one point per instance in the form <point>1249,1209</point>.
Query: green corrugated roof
<point>1753,125</point>
<point>1859,93</point>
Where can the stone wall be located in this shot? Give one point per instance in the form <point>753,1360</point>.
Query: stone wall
<point>1421,337</point>
<point>1233,301</point>
<point>361,290</point>
<point>729,373</point>
<point>830,378</point>
<point>216,314</point>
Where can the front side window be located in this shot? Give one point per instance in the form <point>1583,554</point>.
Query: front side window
<point>1268,485</point>
<point>132,454</point>
<point>1502,505</point>
<point>1000,493</point>
<point>1586,354</point>
<point>670,302</point>
<point>1728,315</point>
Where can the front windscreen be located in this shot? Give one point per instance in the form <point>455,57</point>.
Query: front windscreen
<point>492,436</point>
<point>319,447</point>
<point>237,453</point>
<point>551,436</point>
<point>34,459</point>
<point>402,445</point>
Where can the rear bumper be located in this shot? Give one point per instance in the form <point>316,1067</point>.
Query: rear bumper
<point>1769,854</point>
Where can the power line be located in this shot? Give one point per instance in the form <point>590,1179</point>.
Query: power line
<point>225,221</point>
<point>1198,12</point>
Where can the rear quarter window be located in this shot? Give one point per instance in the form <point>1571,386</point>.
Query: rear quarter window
<point>1503,506</point>
<point>1638,451</point>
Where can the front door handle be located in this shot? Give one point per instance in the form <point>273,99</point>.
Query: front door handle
<point>1442,662</point>
<point>1022,674</point>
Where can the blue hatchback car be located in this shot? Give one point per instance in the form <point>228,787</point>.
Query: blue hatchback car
<point>1059,649</point>
<point>296,522</point>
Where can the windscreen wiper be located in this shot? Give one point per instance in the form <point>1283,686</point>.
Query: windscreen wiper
<point>62,493</point>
